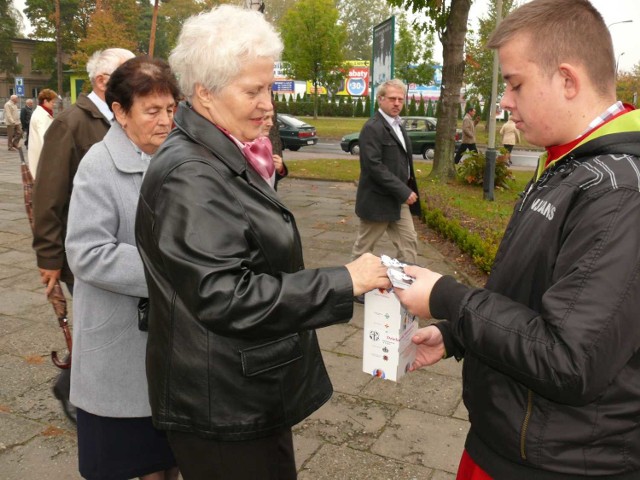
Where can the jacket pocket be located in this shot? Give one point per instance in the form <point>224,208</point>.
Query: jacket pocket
<point>268,356</point>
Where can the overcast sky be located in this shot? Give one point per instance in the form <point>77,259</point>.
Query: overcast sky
<point>627,48</point>
<point>625,43</point>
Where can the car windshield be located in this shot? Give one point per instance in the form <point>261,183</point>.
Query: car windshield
<point>293,121</point>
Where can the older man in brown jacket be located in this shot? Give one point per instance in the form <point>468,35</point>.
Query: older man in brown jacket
<point>68,138</point>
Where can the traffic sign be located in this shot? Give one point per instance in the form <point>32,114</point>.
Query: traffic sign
<point>19,86</point>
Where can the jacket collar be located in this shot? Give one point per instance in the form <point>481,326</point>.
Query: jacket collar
<point>621,135</point>
<point>203,132</point>
<point>87,105</point>
<point>391,130</point>
<point>393,133</point>
<point>124,155</point>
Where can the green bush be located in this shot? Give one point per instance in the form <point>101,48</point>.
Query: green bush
<point>482,249</point>
<point>471,170</point>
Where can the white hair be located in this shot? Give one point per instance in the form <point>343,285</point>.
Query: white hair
<point>214,46</point>
<point>106,61</point>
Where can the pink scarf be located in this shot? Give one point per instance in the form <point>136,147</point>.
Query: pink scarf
<point>259,154</point>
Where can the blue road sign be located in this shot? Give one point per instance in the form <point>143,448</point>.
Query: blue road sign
<point>19,86</point>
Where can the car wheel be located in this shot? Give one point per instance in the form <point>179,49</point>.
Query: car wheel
<point>294,149</point>
<point>354,148</point>
<point>428,153</point>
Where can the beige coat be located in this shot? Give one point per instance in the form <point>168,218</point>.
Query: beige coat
<point>510,134</point>
<point>11,114</point>
<point>468,129</point>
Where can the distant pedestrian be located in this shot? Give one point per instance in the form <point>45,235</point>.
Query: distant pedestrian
<point>25,118</point>
<point>40,121</point>
<point>468,134</point>
<point>281,170</point>
<point>510,136</point>
<point>12,119</point>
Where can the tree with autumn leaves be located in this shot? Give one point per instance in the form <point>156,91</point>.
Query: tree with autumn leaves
<point>91,25</point>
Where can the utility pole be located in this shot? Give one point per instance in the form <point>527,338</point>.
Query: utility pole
<point>154,22</point>
<point>491,153</point>
<point>59,53</point>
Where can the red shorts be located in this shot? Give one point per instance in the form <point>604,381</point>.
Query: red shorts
<point>468,470</point>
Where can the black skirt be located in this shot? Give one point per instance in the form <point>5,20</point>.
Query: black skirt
<point>120,448</point>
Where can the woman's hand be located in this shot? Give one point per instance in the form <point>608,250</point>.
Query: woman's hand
<point>430,347</point>
<point>277,162</point>
<point>368,273</point>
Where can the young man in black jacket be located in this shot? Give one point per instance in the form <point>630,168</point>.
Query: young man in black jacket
<point>551,344</point>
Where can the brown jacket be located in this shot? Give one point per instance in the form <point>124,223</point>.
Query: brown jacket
<point>68,138</point>
<point>468,129</point>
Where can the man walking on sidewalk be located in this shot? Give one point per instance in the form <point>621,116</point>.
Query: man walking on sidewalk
<point>25,119</point>
<point>387,187</point>
<point>12,119</point>
<point>468,134</point>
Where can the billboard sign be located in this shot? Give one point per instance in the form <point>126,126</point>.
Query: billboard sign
<point>382,67</point>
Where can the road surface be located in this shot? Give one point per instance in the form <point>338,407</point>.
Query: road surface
<point>329,149</point>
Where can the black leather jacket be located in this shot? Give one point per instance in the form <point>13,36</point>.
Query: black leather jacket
<point>552,345</point>
<point>232,353</point>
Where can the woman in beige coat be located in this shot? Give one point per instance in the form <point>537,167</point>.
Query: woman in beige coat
<point>510,136</point>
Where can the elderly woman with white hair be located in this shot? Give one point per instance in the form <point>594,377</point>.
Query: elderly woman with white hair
<point>233,360</point>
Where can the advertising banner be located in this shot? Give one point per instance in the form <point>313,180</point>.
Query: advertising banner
<point>382,68</point>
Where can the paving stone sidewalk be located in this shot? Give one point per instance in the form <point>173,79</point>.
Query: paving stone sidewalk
<point>371,429</point>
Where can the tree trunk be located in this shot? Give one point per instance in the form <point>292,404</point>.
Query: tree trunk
<point>452,76</point>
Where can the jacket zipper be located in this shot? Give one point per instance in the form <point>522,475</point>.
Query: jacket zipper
<point>525,425</point>
<point>526,194</point>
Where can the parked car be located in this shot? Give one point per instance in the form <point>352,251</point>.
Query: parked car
<point>421,132</point>
<point>3,126</point>
<point>295,133</point>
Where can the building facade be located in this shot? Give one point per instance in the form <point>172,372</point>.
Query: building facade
<point>34,80</point>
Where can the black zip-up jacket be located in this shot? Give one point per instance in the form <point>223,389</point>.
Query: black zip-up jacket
<point>231,354</point>
<point>551,346</point>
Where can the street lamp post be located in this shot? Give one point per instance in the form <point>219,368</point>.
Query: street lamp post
<point>621,21</point>
<point>618,63</point>
<point>491,154</point>
<point>609,27</point>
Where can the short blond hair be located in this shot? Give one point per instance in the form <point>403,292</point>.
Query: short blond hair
<point>393,83</point>
<point>570,31</point>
